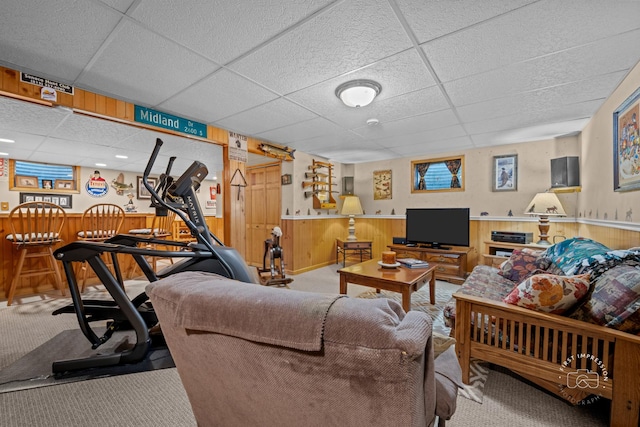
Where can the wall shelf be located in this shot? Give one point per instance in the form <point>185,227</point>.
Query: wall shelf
<point>321,185</point>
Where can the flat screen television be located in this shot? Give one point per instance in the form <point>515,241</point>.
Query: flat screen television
<point>436,227</point>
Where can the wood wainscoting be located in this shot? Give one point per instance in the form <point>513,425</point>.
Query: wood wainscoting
<point>34,285</point>
<point>310,242</point>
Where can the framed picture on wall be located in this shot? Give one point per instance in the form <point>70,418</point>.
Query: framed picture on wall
<point>26,181</point>
<point>626,144</point>
<point>62,200</point>
<point>505,173</point>
<point>285,179</point>
<point>64,184</point>
<point>382,185</point>
<point>142,191</point>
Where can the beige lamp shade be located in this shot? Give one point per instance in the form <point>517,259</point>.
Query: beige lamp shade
<point>351,207</point>
<point>545,205</point>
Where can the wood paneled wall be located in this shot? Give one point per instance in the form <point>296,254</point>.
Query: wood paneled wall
<point>33,285</point>
<point>311,243</point>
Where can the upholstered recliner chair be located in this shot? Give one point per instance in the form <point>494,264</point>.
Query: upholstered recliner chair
<point>250,355</point>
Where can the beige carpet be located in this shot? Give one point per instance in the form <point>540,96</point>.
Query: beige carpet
<point>157,398</point>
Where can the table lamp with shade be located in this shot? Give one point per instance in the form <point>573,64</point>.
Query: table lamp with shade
<point>352,207</point>
<point>545,205</point>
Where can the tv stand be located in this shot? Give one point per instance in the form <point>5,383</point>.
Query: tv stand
<point>450,262</point>
<point>427,246</point>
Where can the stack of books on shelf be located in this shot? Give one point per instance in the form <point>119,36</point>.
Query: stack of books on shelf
<point>413,262</point>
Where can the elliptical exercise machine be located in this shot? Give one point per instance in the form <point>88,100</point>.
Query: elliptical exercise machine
<point>207,254</point>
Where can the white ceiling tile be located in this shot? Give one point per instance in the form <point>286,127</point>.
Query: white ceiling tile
<point>78,127</point>
<point>425,138</point>
<point>533,105</point>
<point>526,134</point>
<point>426,149</point>
<point>538,29</point>
<point>218,96</point>
<point>432,19</point>
<point>18,153</point>
<point>572,113</point>
<point>348,156</point>
<point>574,65</point>
<point>350,35</point>
<point>301,131</point>
<point>58,38</point>
<point>29,117</point>
<point>119,5</point>
<point>60,158</point>
<point>143,67</point>
<point>218,29</point>
<point>22,140</point>
<point>410,125</point>
<point>272,115</point>
<point>71,148</point>
<point>333,141</point>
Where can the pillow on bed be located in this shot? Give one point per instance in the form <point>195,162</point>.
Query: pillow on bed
<point>522,263</point>
<point>549,293</point>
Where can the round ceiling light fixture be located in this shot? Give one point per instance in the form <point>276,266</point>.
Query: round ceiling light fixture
<point>358,93</point>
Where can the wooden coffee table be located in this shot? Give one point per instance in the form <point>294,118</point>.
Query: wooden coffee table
<point>400,279</point>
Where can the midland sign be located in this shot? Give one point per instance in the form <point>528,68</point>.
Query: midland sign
<point>170,122</point>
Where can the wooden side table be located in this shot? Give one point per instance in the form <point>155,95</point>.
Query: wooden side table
<point>363,247</point>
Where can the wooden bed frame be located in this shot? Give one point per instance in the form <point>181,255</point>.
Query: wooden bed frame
<point>546,348</point>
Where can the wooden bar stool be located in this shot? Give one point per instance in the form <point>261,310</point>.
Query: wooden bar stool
<point>35,229</point>
<point>161,228</point>
<point>99,223</point>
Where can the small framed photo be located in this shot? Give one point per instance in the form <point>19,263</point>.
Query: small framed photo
<point>47,184</point>
<point>142,191</point>
<point>505,173</point>
<point>286,179</point>
<point>26,181</point>
<point>64,184</point>
<point>64,201</point>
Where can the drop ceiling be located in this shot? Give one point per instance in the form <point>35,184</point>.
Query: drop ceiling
<point>455,75</point>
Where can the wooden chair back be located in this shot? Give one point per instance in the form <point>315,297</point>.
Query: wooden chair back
<point>35,228</point>
<point>36,223</point>
<point>100,222</point>
<point>162,226</point>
